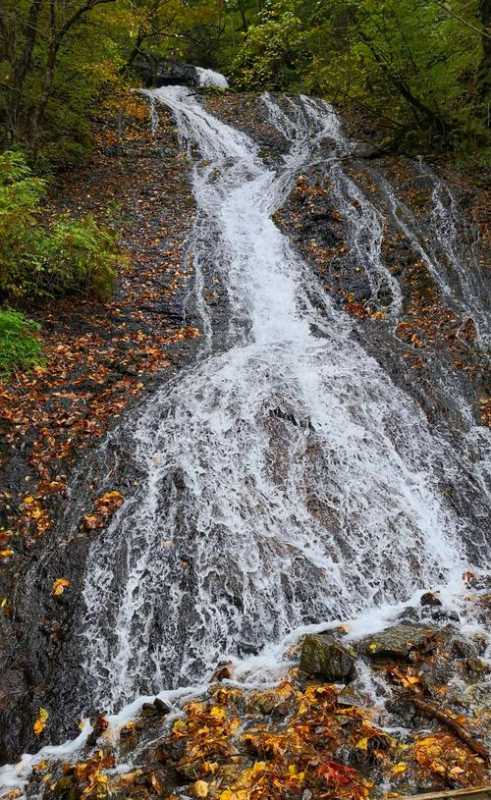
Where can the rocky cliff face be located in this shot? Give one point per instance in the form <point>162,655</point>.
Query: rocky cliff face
<point>392,247</point>
<point>103,361</point>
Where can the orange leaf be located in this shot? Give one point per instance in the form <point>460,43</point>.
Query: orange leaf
<point>59,586</point>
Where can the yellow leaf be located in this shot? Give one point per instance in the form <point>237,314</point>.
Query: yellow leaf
<point>7,552</point>
<point>59,586</point>
<point>456,771</point>
<point>411,680</point>
<point>40,723</point>
<point>200,789</point>
<point>217,712</point>
<point>363,744</point>
<point>28,501</point>
<point>399,768</point>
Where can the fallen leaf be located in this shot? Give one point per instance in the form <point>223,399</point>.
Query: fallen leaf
<point>59,586</point>
<point>40,722</point>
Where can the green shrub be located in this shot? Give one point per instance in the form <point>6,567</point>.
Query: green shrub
<point>39,260</point>
<point>78,256</point>
<point>19,347</point>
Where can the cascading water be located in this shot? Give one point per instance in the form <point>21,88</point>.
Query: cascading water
<point>365,224</point>
<point>451,256</point>
<point>287,480</point>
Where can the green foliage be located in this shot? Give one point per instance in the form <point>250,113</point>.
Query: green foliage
<point>58,59</point>
<point>412,65</point>
<point>19,347</point>
<point>77,256</point>
<point>421,67</point>
<point>271,54</point>
<point>36,260</point>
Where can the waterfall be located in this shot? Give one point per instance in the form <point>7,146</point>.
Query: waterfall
<point>310,119</point>
<point>450,253</point>
<point>286,479</point>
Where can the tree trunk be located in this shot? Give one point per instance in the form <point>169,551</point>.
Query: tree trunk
<point>135,51</point>
<point>31,30</point>
<point>57,37</point>
<point>485,66</point>
<point>22,65</point>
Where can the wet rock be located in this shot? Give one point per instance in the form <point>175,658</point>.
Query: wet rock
<point>463,648</point>
<point>350,697</point>
<point>161,707</point>
<point>247,649</point>
<point>285,415</point>
<point>223,672</point>
<point>100,725</point>
<point>430,599</point>
<point>409,615</point>
<point>324,657</point>
<point>156,72</point>
<point>400,641</point>
<point>476,668</point>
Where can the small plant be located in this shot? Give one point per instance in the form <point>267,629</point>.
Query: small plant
<point>79,256</point>
<point>19,347</point>
<point>39,260</point>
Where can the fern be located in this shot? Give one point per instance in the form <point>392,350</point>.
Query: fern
<point>19,347</point>
<point>39,261</point>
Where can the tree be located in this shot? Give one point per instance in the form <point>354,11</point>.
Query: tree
<point>485,65</point>
<point>41,45</point>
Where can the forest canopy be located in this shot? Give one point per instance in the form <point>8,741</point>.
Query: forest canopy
<point>422,68</point>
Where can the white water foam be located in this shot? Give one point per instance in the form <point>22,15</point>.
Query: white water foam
<point>208,77</point>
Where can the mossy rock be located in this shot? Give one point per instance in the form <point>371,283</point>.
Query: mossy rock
<point>324,657</point>
<point>400,641</point>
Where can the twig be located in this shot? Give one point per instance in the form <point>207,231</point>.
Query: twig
<point>435,713</point>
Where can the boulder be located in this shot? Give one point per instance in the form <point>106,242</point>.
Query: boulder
<point>322,656</point>
<point>430,599</point>
<point>156,72</point>
<point>400,641</point>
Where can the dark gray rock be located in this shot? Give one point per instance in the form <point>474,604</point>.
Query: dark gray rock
<point>155,72</point>
<point>400,641</point>
<point>324,657</point>
<point>430,599</point>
